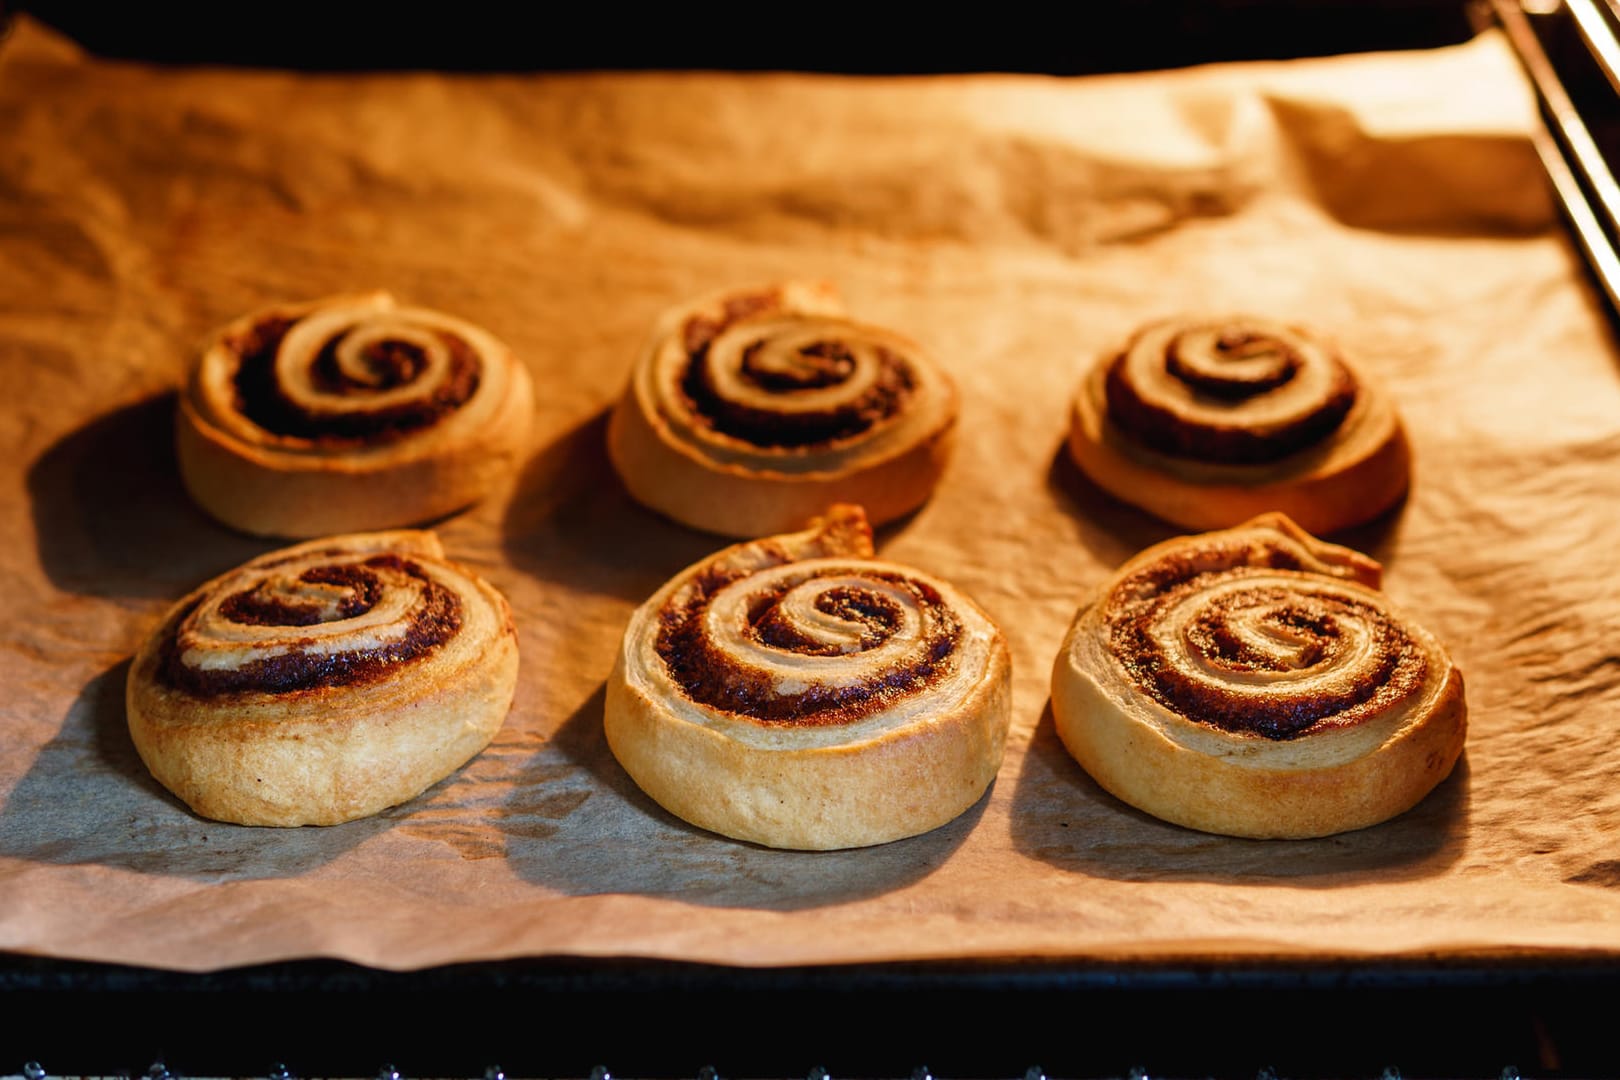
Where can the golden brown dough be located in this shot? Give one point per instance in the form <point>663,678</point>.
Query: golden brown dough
<point>1208,422</point>
<point>1255,682</point>
<point>748,412</point>
<point>799,693</point>
<point>349,413</point>
<point>323,682</point>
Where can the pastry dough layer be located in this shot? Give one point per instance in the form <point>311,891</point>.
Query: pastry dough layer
<point>1213,435</point>
<point>750,411</point>
<point>1255,682</point>
<point>323,682</point>
<point>347,414</point>
<point>909,754</point>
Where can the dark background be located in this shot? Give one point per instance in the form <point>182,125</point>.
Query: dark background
<point>551,1018</point>
<point>1081,36</point>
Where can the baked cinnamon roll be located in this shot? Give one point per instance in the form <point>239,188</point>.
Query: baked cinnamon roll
<point>1255,682</point>
<point>323,682</point>
<point>750,411</point>
<point>799,693</point>
<point>1206,423</point>
<point>347,414</point>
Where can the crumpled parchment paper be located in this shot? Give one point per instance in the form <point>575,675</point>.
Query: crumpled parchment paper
<point>1018,226</point>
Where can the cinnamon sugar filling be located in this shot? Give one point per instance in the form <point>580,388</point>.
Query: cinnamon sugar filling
<point>434,620</point>
<point>388,364</point>
<point>1234,380</point>
<point>1263,659</point>
<point>817,366</point>
<point>712,676</point>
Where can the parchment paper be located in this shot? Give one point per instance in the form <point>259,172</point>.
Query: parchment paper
<point>1018,226</point>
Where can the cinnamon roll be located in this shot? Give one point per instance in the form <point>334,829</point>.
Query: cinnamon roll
<point>748,412</point>
<point>323,682</point>
<point>1206,423</point>
<point>1255,682</point>
<point>799,693</point>
<point>349,413</point>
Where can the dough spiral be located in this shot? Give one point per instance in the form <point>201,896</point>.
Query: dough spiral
<point>750,411</point>
<point>1255,682</point>
<point>796,692</point>
<point>1208,422</point>
<point>323,682</point>
<point>349,413</point>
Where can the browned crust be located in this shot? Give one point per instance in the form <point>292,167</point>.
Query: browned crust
<point>325,755</point>
<point>1325,780</point>
<point>261,491</point>
<point>258,494</point>
<point>1138,765</point>
<point>1324,491</point>
<point>902,783</point>
<point>732,501</point>
<point>809,787</point>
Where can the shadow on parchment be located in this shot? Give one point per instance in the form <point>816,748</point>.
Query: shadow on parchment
<point>89,800</point>
<point>111,517</point>
<point>594,831</point>
<point>571,521</point>
<point>1114,530</point>
<point>574,820</point>
<point>1111,530</point>
<point>1099,836</point>
<point>565,817</point>
<point>1378,537</point>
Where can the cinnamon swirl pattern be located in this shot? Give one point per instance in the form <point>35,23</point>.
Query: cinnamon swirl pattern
<point>748,412</point>
<point>347,414</point>
<point>799,693</point>
<point>323,682</point>
<point>1206,423</point>
<point>1255,682</point>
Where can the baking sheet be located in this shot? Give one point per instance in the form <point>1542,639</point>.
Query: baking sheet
<point>1018,226</point>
